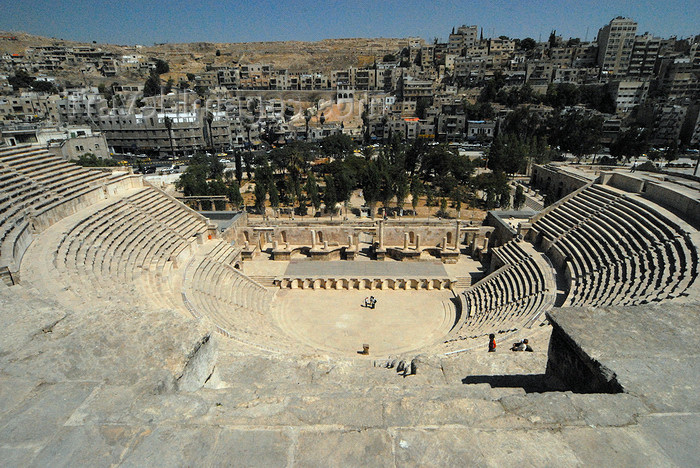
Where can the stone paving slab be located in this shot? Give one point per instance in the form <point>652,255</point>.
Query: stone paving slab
<point>90,445</point>
<point>173,446</point>
<point>39,416</point>
<point>319,269</point>
<point>676,434</point>
<point>344,448</point>
<point>626,446</point>
<point>262,448</point>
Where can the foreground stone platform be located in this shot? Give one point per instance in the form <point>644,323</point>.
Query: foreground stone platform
<point>121,386</point>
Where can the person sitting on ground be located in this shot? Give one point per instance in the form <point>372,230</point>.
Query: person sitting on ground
<point>372,302</point>
<point>366,303</point>
<point>492,343</point>
<point>521,346</point>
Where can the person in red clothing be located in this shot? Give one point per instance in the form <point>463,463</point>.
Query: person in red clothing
<point>492,343</point>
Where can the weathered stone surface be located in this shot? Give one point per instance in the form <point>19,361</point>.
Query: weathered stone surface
<point>28,322</point>
<point>251,448</point>
<point>173,446</point>
<point>19,457</point>
<point>39,416</point>
<point>676,434</point>
<point>548,409</point>
<point>623,446</point>
<point>344,448</point>
<point>566,408</point>
<point>437,447</point>
<point>408,412</point>
<point>90,445</point>
<point>199,364</point>
<point>13,390</point>
<point>119,346</point>
<point>526,447</point>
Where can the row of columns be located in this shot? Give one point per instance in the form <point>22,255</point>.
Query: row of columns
<point>365,283</point>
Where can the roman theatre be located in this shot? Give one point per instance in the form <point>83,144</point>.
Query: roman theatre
<point>137,330</point>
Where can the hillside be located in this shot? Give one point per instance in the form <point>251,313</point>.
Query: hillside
<point>296,56</point>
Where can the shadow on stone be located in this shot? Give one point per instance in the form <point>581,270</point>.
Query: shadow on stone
<point>531,383</point>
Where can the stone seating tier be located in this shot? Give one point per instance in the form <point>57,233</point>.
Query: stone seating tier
<point>619,249</point>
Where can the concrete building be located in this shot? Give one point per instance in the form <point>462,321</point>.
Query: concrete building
<point>668,121</point>
<point>67,141</point>
<point>481,130</point>
<point>628,95</point>
<point>615,45</point>
<point>146,132</point>
<point>644,54</point>
<point>28,106</point>
<point>464,37</point>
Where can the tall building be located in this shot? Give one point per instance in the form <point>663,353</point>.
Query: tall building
<point>615,45</point>
<point>646,50</point>
<point>463,38</point>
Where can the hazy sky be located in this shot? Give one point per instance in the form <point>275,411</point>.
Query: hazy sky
<point>146,22</point>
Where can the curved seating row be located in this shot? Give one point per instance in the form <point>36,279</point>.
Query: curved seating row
<point>120,242</point>
<point>509,298</point>
<point>237,305</point>
<point>618,249</point>
<point>32,181</point>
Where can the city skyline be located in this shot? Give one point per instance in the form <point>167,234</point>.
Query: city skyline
<point>303,20</point>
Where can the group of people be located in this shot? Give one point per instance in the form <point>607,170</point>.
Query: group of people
<point>370,302</point>
<point>522,345</point>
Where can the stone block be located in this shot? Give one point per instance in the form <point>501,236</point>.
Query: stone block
<point>369,447</point>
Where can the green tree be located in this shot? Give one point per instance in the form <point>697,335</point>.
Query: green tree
<point>578,133</point>
<point>233,193</point>
<point>20,79</point>
<point>519,197</point>
<point>330,197</point>
<point>168,122</point>
<point>337,146</point>
<point>417,190</point>
<point>260,193</point>
<point>152,85</point>
<point>460,195</point>
<point>311,189</point>
<point>371,185</point>
<point>630,143</point>
<point>274,196</point>
<point>528,44</point>
<point>443,208</point>
<point>162,67</point>
<point>401,188</point>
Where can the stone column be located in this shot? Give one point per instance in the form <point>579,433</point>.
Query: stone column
<point>417,241</point>
<point>274,245</point>
<point>325,245</point>
<point>381,235</point>
<point>349,241</point>
<point>457,236</point>
<point>444,243</point>
<point>313,239</point>
<point>405,241</point>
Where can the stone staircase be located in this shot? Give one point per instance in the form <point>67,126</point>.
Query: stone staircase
<point>461,283</point>
<point>267,281</point>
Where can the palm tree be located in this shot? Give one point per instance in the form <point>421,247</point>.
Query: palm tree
<point>169,126</point>
<point>307,117</point>
<point>209,119</point>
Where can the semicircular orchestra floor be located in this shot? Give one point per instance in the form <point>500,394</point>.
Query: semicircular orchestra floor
<point>336,321</point>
